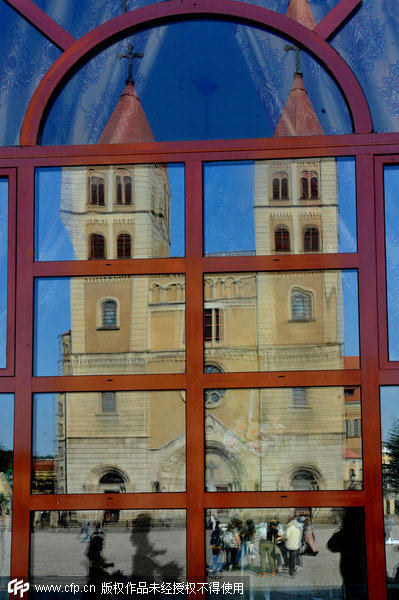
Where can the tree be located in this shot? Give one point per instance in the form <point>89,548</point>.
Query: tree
<point>390,466</point>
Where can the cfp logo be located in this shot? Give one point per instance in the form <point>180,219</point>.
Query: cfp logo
<point>14,585</point>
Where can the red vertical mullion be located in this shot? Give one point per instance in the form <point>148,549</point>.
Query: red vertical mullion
<point>375,546</point>
<point>194,368</point>
<point>23,374</point>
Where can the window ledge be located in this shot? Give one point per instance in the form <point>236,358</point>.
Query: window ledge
<point>108,415</point>
<point>108,328</point>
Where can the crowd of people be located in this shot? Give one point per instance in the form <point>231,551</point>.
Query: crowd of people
<point>266,547</point>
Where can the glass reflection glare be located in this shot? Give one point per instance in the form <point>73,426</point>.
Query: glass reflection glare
<point>109,325</point>
<point>283,439</point>
<point>94,546</point>
<point>281,321</point>
<point>136,442</point>
<point>289,552</point>
<point>280,206</point>
<point>109,212</point>
<point>6,484</point>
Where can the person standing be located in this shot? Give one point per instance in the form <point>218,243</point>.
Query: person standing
<point>293,540</point>
<point>216,545</point>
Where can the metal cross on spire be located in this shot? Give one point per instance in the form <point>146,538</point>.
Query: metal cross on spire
<point>297,50</point>
<point>130,55</point>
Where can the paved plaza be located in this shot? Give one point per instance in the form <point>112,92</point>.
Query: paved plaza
<point>60,557</point>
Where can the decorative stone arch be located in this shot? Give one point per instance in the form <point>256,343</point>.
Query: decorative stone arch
<point>298,475</point>
<point>92,482</point>
<point>175,10</point>
<point>233,461</point>
<point>172,472</point>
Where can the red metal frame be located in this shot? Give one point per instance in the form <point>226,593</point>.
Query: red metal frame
<point>176,9</point>
<point>369,260</point>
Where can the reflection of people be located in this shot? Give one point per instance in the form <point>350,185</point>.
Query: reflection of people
<point>309,540</point>
<point>350,541</point>
<point>145,567</point>
<point>98,573</point>
<point>217,553</point>
<point>267,538</point>
<point>293,540</point>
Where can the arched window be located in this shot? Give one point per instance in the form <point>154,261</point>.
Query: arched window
<point>282,240</point>
<point>301,306</point>
<point>123,189</point>
<point>305,479</point>
<point>356,427</point>
<point>347,428</point>
<point>280,186</point>
<point>96,246</point>
<point>96,190</point>
<point>309,186</point>
<point>311,240</point>
<point>124,246</point>
<point>109,314</point>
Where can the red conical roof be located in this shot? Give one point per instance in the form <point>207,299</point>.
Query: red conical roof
<point>128,122</point>
<point>298,116</point>
<point>300,11</point>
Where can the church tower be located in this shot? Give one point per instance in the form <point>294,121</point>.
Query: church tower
<point>285,438</point>
<point>116,212</point>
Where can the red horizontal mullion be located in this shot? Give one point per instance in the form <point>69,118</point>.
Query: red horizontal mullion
<point>87,383</point>
<point>104,501</point>
<point>389,375</point>
<point>245,149</point>
<point>281,379</point>
<point>284,499</point>
<point>296,262</point>
<point>91,268</point>
<point>7,384</point>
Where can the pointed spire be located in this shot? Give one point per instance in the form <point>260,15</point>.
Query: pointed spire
<point>300,11</point>
<point>128,122</point>
<point>298,116</point>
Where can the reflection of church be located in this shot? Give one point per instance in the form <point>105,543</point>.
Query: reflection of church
<point>282,438</point>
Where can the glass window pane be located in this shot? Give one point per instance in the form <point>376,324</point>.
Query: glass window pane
<point>136,440</point>
<point>25,57</point>
<point>109,212</point>
<point>95,546</point>
<point>6,480</point>
<point>3,270</point>
<point>368,43</point>
<point>247,204</point>
<point>282,439</point>
<point>391,183</point>
<point>109,325</point>
<point>202,99</point>
<point>390,477</point>
<point>281,321</point>
<point>315,553</point>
